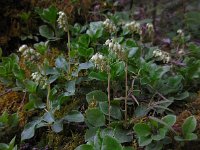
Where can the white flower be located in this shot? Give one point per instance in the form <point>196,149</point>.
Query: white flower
<point>94,57</point>
<point>161,55</point>
<point>22,48</point>
<point>107,42</point>
<point>109,25</point>
<point>62,21</point>
<point>32,51</point>
<point>149,26</point>
<point>111,45</point>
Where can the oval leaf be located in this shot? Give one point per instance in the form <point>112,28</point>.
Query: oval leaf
<point>95,117</point>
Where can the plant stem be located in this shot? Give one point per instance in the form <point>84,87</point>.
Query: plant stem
<point>108,89</point>
<point>69,46</point>
<point>126,90</point>
<point>48,95</point>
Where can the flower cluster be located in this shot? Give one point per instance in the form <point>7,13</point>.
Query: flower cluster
<point>62,21</point>
<point>180,33</point>
<point>116,48</point>
<point>39,79</point>
<point>99,62</point>
<point>162,56</point>
<point>150,28</point>
<point>134,27</point>
<point>109,25</point>
<point>29,53</point>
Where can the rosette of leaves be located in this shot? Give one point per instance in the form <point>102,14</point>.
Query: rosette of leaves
<point>153,134</point>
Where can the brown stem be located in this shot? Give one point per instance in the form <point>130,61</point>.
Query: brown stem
<point>6,92</point>
<point>126,90</point>
<point>68,45</point>
<point>24,97</point>
<point>48,95</point>
<point>109,76</point>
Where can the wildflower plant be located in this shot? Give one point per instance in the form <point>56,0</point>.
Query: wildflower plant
<point>110,26</point>
<point>162,56</point>
<point>29,53</point>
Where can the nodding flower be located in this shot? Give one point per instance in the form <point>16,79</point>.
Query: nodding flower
<point>99,62</point>
<point>116,48</point>
<point>110,26</point>
<point>162,56</point>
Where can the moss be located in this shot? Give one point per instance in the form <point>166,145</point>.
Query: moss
<point>67,108</point>
<point>74,141</point>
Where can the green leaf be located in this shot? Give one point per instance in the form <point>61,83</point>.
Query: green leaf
<point>191,136</point>
<point>48,117</point>
<point>169,119</point>
<point>123,135</point>
<point>144,141</point>
<point>101,76</point>
<point>115,111</point>
<point>128,148</point>
<point>162,122</point>
<point>179,138</point>
<point>117,69</point>
<point>95,117</point>
<point>19,73</point>
<point>49,15</point>
<point>85,52</point>
<point>4,117</point>
<point>29,131</point>
<point>1,52</point>
<point>141,111</point>
<point>84,40</point>
<point>12,143</point>
<point>91,133</point>
<point>30,86</point>
<point>189,125</point>
<point>96,95</point>
<point>74,116</point>
<point>131,43</point>
<point>3,146</point>
<point>46,32</point>
<point>86,65</point>
<point>84,147</point>
<point>70,88</point>
<point>142,129</point>
<point>132,52</point>
<point>61,63</point>
<point>57,126</point>
<point>95,30</point>
<point>41,47</point>
<point>109,143</point>
<point>182,96</point>
<point>161,133</point>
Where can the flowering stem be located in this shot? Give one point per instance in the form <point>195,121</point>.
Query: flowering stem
<point>126,89</point>
<point>48,95</point>
<point>68,45</point>
<point>108,89</point>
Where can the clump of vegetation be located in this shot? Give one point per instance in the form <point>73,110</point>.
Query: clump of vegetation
<point>106,80</point>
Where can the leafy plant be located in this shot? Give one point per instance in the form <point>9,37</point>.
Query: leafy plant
<point>188,128</point>
<point>154,132</point>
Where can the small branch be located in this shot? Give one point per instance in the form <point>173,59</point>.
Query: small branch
<point>135,99</point>
<point>178,63</point>
<point>6,92</point>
